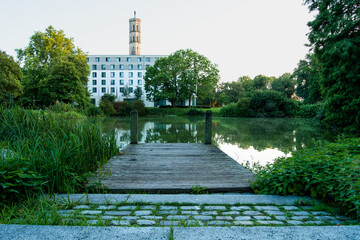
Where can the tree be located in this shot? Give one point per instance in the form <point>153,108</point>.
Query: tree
<point>65,82</point>
<point>10,77</point>
<point>138,93</point>
<point>261,82</point>
<point>44,52</point>
<point>181,76</point>
<point>126,92</point>
<point>307,75</point>
<point>335,38</point>
<point>284,84</point>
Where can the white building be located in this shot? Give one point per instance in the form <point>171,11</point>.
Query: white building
<point>114,74</point>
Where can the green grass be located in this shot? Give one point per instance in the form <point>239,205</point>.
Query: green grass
<point>48,152</point>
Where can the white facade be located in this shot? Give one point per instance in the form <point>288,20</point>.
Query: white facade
<point>113,73</point>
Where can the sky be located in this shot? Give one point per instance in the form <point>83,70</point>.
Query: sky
<point>243,37</point>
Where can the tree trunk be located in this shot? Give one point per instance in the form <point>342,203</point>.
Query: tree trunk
<point>190,101</point>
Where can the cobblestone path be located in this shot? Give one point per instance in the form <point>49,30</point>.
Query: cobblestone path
<point>175,214</point>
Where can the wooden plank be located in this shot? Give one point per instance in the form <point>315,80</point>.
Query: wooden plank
<point>174,167</point>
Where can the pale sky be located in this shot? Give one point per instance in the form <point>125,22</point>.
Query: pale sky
<point>243,37</point>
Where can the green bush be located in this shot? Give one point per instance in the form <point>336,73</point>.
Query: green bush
<point>270,103</point>
<point>139,106</point>
<point>93,111</point>
<point>328,170</point>
<point>309,110</point>
<point>229,110</point>
<point>122,108</point>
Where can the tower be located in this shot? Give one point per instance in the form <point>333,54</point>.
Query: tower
<point>134,35</point>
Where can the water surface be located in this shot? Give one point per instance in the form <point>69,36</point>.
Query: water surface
<point>244,139</point>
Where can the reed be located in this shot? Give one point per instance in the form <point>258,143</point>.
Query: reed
<point>43,150</point>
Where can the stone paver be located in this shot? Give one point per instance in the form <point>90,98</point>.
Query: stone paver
<point>146,222</point>
<point>82,207</point>
<point>252,213</point>
<point>270,208</point>
<point>142,213</point>
<point>215,208</point>
<point>199,214</point>
<point>120,223</point>
<point>247,223</point>
<point>240,208</point>
<point>117,213</point>
<point>111,207</point>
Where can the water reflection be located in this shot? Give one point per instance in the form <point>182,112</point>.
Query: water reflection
<point>244,139</point>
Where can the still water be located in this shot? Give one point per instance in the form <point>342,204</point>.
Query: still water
<point>244,139</point>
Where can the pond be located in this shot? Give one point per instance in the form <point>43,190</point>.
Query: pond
<point>244,139</point>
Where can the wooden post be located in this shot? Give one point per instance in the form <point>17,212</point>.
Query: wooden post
<point>134,127</point>
<point>208,123</point>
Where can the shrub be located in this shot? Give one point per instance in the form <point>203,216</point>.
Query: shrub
<point>273,104</point>
<point>309,110</point>
<point>139,106</point>
<point>122,108</point>
<point>229,110</point>
<point>107,107</point>
<point>93,111</point>
<point>328,170</point>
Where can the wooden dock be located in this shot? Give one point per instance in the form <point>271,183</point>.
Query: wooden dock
<point>174,168</point>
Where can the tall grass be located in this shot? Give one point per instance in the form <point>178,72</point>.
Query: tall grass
<point>42,150</point>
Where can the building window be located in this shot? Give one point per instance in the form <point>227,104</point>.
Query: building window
<point>103,90</point>
<point>121,66</point>
<point>112,66</point>
<point>93,67</point>
<point>103,82</point>
<point>121,74</point>
<point>140,88</point>
<point>131,66</point>
<point>103,74</point>
<point>121,82</point>
<point>118,59</point>
<point>87,59</point>
<point>112,90</point>
<point>139,74</point>
<point>139,82</point>
<point>147,65</point>
<point>103,67</point>
<point>112,74</point>
<point>147,59</point>
<point>131,82</point>
<point>139,59</point>
<point>112,82</point>
<point>94,82</point>
<point>97,59</point>
<point>121,89</point>
<point>131,74</point>
<point>156,58</point>
<point>94,74</point>
<point>131,89</point>
<point>107,59</point>
<point>94,90</point>
<point>139,66</point>
<point>128,59</point>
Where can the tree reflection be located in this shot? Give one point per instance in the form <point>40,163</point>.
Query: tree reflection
<point>283,134</point>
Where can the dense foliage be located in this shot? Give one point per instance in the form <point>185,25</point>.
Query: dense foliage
<point>112,108</point>
<point>42,150</point>
<point>54,69</point>
<point>328,170</point>
<point>335,38</point>
<point>181,76</point>
<point>10,78</point>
